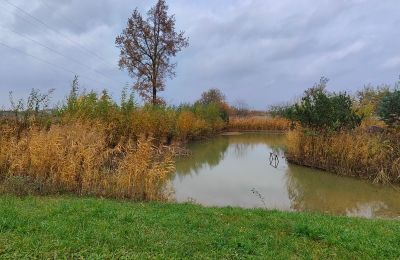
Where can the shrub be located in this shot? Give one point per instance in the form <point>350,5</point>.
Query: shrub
<point>368,99</point>
<point>280,111</point>
<point>215,97</point>
<point>389,108</point>
<point>321,110</point>
<point>189,126</point>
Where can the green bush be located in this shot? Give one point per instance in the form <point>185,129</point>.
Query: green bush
<point>389,108</point>
<point>319,109</point>
<point>215,98</point>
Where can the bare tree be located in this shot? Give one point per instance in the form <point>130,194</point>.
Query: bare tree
<point>241,107</point>
<point>147,46</point>
<point>213,95</point>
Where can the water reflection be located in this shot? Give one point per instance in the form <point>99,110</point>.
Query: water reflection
<point>313,190</point>
<point>224,171</point>
<point>204,155</point>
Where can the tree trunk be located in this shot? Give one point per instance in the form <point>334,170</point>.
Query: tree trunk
<point>154,95</point>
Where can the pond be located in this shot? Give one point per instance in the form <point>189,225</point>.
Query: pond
<point>235,170</point>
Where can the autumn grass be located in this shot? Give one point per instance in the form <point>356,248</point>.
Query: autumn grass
<point>91,145</point>
<point>258,123</point>
<point>75,228</point>
<point>372,156</point>
<point>79,158</point>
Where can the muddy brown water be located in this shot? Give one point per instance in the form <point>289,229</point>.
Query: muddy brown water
<point>235,170</point>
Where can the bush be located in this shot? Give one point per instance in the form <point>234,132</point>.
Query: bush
<point>321,110</point>
<point>215,97</point>
<point>368,99</point>
<point>389,108</point>
<point>280,111</point>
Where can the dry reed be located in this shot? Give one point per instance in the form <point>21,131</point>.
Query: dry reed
<point>258,124</point>
<point>77,158</point>
<point>361,154</point>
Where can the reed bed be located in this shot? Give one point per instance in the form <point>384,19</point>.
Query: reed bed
<point>372,156</point>
<point>93,146</point>
<point>78,158</point>
<point>258,123</point>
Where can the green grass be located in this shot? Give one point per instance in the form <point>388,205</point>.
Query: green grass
<point>70,227</point>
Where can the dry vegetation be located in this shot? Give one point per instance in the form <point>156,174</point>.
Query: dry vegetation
<point>258,123</point>
<point>355,136</point>
<point>358,153</point>
<point>94,146</point>
<point>77,158</point>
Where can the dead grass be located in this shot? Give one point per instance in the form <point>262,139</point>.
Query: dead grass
<point>257,123</point>
<point>369,156</point>
<point>77,158</point>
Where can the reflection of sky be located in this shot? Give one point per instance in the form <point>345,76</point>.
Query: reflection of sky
<point>241,165</point>
<point>367,210</point>
<point>231,181</point>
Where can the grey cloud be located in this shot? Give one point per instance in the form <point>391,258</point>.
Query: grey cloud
<point>263,51</point>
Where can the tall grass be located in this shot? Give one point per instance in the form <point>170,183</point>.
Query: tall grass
<point>258,123</point>
<point>77,158</point>
<point>92,145</point>
<point>371,156</point>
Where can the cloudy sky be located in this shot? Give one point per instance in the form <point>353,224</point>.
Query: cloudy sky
<point>262,51</point>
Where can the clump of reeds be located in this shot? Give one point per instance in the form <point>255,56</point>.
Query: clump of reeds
<point>258,123</point>
<point>373,156</point>
<point>77,158</point>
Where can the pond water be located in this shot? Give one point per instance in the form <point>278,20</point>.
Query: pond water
<point>235,170</point>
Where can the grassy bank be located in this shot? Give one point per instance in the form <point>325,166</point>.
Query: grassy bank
<point>92,228</point>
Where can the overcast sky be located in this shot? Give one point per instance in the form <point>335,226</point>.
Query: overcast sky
<point>262,51</point>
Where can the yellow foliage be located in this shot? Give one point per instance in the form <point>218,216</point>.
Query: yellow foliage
<point>189,126</point>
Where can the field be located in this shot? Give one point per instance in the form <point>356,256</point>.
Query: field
<point>71,227</point>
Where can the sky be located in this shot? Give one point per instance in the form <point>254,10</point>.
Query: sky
<point>262,52</point>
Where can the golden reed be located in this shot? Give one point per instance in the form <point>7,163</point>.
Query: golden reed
<point>77,158</point>
<point>372,156</point>
<point>258,123</point>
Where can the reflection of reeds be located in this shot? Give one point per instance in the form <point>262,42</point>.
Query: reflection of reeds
<point>370,156</point>
<point>77,158</point>
<point>258,124</point>
<point>314,190</point>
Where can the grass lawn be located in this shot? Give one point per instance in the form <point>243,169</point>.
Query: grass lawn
<point>70,227</point>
